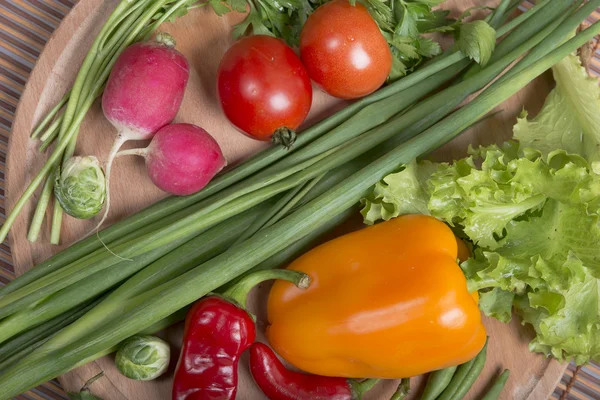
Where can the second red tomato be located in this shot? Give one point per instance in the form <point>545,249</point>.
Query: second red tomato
<point>263,87</point>
<point>343,50</point>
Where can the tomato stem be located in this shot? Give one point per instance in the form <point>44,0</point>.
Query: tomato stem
<point>284,136</point>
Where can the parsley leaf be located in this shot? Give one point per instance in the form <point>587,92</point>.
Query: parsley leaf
<point>430,3</point>
<point>438,21</point>
<point>477,40</point>
<point>428,47</point>
<point>220,7</point>
<point>407,18</point>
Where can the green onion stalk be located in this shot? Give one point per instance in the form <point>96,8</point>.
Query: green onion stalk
<point>142,310</point>
<point>264,159</point>
<point>35,337</point>
<point>417,118</point>
<point>190,253</point>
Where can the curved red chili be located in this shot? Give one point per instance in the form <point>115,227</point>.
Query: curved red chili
<point>217,331</point>
<point>279,383</point>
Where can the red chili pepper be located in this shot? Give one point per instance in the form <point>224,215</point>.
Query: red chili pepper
<point>217,331</point>
<point>279,383</point>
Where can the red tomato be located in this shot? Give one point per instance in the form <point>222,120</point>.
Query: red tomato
<point>344,51</point>
<point>263,87</point>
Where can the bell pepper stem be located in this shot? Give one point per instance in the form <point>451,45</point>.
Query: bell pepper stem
<point>360,388</point>
<point>402,391</point>
<point>239,292</point>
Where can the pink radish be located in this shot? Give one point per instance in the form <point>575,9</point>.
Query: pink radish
<point>181,158</point>
<point>143,93</point>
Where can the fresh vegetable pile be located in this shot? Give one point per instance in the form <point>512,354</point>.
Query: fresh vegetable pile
<point>531,209</point>
<point>141,274</point>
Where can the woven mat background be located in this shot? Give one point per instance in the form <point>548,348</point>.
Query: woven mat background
<point>25,27</point>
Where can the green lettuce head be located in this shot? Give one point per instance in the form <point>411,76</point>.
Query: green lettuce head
<point>80,187</point>
<point>143,358</point>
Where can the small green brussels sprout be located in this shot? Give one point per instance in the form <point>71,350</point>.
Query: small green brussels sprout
<point>143,358</point>
<point>80,187</point>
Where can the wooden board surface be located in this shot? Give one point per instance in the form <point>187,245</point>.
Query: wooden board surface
<point>203,38</point>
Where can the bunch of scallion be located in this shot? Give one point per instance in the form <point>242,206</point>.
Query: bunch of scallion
<point>81,303</point>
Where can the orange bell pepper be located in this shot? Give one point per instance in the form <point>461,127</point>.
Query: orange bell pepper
<point>388,301</point>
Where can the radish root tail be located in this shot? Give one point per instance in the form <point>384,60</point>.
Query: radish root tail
<point>109,161</point>
<point>142,152</point>
<point>109,250</point>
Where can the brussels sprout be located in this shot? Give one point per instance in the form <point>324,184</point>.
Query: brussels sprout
<point>143,358</point>
<point>80,187</point>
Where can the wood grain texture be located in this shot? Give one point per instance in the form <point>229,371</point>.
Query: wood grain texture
<point>203,38</point>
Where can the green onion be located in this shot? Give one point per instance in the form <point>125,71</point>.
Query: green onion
<point>499,13</point>
<point>43,331</point>
<point>188,254</point>
<point>49,117</point>
<point>194,252</point>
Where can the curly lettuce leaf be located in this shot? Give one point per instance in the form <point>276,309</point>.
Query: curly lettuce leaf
<point>549,265</point>
<point>561,230</point>
<point>563,310</point>
<point>399,193</point>
<point>497,303</point>
<point>570,118</point>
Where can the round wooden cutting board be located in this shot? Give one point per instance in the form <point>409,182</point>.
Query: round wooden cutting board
<point>203,37</point>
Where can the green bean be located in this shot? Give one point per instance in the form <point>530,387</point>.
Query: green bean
<point>461,372</point>
<point>437,382</point>
<point>497,387</point>
<point>459,388</point>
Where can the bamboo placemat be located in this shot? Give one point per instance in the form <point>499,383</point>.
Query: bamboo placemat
<point>25,27</point>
